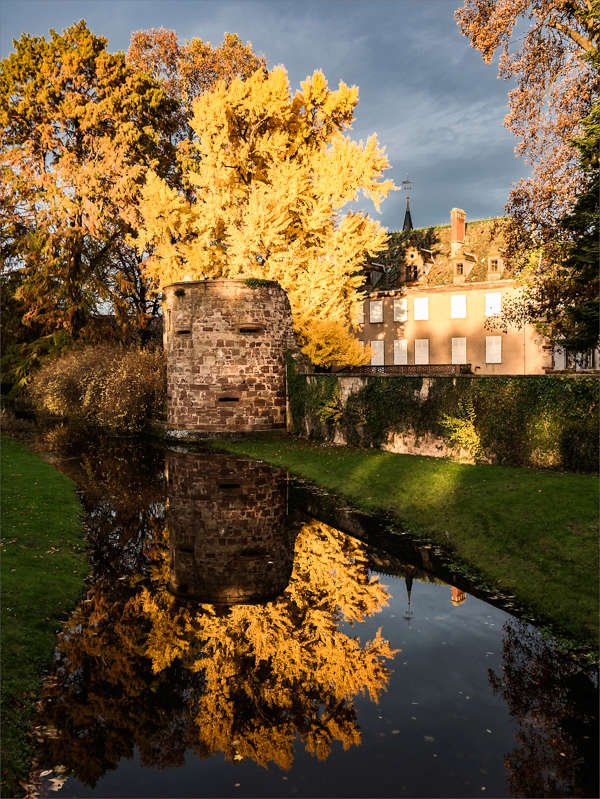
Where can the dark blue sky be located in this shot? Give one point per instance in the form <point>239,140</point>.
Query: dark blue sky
<point>433,103</point>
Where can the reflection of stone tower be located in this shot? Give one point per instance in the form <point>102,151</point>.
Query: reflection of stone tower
<point>225,342</point>
<point>458,596</point>
<point>227,529</point>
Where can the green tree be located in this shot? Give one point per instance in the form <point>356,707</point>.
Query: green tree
<point>561,282</point>
<point>553,112</point>
<point>579,325</point>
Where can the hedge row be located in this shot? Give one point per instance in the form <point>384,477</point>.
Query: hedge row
<point>539,421</point>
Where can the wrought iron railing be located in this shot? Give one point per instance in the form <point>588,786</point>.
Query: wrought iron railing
<point>422,370</point>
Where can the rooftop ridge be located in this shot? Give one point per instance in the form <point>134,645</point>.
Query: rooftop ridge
<point>442,227</point>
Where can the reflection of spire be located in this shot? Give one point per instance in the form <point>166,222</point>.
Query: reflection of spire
<point>458,595</point>
<point>408,613</point>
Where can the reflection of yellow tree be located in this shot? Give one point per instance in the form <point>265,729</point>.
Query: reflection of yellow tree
<point>134,669</point>
<point>281,669</point>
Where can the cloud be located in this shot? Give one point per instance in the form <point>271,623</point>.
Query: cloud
<point>433,132</point>
<point>436,107</point>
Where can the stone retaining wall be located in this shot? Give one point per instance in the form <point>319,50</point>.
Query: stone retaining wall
<point>541,421</point>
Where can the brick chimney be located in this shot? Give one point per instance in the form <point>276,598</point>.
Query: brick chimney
<point>457,231</point>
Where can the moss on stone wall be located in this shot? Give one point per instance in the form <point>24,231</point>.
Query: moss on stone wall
<point>539,421</point>
<point>310,397</point>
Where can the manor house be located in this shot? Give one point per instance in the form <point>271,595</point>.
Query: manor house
<point>435,298</point>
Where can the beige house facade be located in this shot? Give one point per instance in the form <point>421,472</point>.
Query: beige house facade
<point>419,325</point>
<point>435,304</point>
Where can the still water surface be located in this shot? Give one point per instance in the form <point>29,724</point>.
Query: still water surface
<point>229,646</point>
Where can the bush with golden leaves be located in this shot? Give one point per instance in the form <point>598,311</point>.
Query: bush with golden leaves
<point>106,385</point>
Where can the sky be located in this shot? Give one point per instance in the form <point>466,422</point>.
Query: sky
<point>435,106</point>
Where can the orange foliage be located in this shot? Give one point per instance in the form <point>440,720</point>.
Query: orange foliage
<point>78,130</point>
<point>246,681</point>
<point>555,86</point>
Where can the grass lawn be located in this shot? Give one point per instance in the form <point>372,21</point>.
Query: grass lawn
<point>43,565</point>
<point>532,533</point>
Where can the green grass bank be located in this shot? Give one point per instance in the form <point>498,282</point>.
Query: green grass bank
<point>532,533</point>
<point>43,565</point>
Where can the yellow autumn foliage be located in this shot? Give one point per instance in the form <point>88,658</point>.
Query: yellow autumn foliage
<point>137,669</point>
<point>265,199</point>
<point>260,656</point>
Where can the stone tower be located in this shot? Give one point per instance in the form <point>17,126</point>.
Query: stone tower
<point>228,537</point>
<point>226,342</point>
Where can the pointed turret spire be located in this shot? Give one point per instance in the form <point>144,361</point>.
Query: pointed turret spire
<point>408,225</point>
<point>407,187</point>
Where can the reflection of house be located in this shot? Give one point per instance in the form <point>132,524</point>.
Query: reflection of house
<point>458,596</point>
<point>435,300</point>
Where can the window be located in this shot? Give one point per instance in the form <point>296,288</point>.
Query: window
<point>494,265</point>
<point>401,310</point>
<point>421,350</point>
<point>458,306</point>
<point>360,316</point>
<point>421,308</point>
<point>400,352</point>
<point>459,269</point>
<point>493,303</point>
<point>493,349</point>
<point>459,350</point>
<point>376,311</point>
<point>377,353</point>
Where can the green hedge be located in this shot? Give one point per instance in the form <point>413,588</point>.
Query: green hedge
<point>540,421</point>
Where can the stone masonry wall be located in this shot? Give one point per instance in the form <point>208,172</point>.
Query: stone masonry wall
<point>540,421</point>
<point>226,342</point>
<point>228,538</point>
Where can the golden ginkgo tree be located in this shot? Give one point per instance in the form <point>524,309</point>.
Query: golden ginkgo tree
<point>265,198</point>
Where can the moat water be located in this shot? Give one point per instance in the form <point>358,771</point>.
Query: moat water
<point>232,642</point>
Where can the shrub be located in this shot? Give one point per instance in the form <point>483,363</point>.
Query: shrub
<point>105,386</point>
<point>461,431</point>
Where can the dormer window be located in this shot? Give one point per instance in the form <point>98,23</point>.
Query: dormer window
<point>459,269</point>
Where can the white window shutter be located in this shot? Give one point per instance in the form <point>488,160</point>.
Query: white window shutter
<point>459,350</point>
<point>458,306</point>
<point>421,307</point>
<point>377,353</point>
<point>376,311</point>
<point>559,358</point>
<point>401,352</point>
<point>493,303</point>
<point>421,350</point>
<point>401,310</point>
<point>493,349</point>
